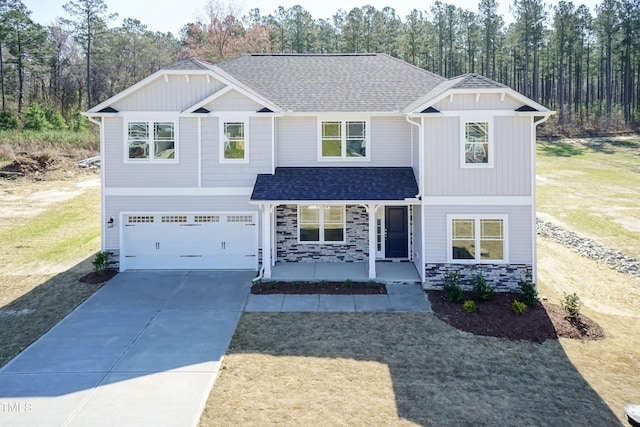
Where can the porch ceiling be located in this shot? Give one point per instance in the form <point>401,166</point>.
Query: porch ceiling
<point>336,183</point>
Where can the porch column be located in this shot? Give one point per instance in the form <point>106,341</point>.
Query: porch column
<point>266,240</point>
<point>371,210</point>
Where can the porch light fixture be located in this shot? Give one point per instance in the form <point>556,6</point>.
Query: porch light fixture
<point>110,222</point>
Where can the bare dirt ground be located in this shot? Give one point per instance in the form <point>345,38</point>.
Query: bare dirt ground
<point>49,231</point>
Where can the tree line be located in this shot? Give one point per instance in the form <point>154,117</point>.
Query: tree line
<point>585,64</point>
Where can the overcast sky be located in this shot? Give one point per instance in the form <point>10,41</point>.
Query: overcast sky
<point>172,15</point>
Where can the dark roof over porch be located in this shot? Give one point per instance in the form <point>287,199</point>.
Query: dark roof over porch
<point>336,183</point>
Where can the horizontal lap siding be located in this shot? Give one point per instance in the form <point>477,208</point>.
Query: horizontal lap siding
<point>216,174</point>
<point>177,204</point>
<point>151,174</point>
<point>510,175</point>
<point>520,230</point>
<point>297,143</point>
<point>175,94</point>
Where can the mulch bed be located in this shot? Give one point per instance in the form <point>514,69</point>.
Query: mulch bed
<point>328,288</point>
<point>494,318</point>
<point>94,278</point>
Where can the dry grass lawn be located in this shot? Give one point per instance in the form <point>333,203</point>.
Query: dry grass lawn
<point>49,231</point>
<point>412,369</point>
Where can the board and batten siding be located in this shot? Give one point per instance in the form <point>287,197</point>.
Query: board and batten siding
<point>511,172</point>
<point>233,101</point>
<point>174,94</point>
<point>297,143</point>
<point>216,174</point>
<point>520,230</point>
<point>486,101</point>
<point>115,205</point>
<point>120,173</point>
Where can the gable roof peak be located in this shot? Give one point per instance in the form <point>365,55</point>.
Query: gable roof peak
<point>474,81</point>
<point>190,64</point>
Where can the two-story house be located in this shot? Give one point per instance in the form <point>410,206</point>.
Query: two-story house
<point>268,159</point>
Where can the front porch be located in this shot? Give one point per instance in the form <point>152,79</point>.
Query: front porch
<point>386,272</point>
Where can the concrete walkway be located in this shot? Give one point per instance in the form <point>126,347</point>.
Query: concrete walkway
<point>146,348</point>
<point>399,298</point>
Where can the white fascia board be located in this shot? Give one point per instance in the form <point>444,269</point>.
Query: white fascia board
<point>477,201</point>
<point>337,202</point>
<point>177,191</point>
<point>508,91</point>
<point>333,114</point>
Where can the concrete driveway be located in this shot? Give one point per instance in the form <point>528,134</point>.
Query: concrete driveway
<point>143,351</point>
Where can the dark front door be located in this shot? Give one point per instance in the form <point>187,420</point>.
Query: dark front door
<point>397,232</point>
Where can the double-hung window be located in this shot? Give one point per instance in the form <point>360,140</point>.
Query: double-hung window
<point>343,139</point>
<point>477,143</point>
<point>234,147</point>
<point>477,239</point>
<point>321,224</point>
<point>152,141</point>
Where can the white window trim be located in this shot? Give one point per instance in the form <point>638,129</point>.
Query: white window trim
<point>472,118</point>
<point>228,119</point>
<point>150,119</point>
<point>321,240</point>
<point>477,218</point>
<point>343,123</point>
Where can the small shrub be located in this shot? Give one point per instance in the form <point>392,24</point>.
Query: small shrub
<point>80,123</point>
<point>35,119</point>
<point>297,285</point>
<point>372,284</point>
<point>348,283</point>
<point>481,289</point>
<point>528,292</point>
<point>518,307</point>
<point>324,284</point>
<point>452,289</point>
<point>571,304</point>
<point>8,121</point>
<point>272,285</point>
<point>101,262</point>
<point>469,306</point>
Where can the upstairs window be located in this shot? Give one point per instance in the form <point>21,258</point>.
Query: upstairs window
<point>343,140</point>
<point>234,147</point>
<point>477,144</point>
<point>154,141</point>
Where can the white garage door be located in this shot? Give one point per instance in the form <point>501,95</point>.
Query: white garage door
<point>189,241</point>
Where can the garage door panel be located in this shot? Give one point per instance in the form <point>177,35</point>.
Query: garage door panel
<point>193,241</point>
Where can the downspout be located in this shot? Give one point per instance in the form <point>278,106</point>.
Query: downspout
<point>534,245</point>
<point>273,145</point>
<point>103,217</point>
<point>418,196</point>
<point>421,154</point>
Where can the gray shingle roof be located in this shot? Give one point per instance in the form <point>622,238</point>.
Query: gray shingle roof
<point>190,64</point>
<point>336,183</point>
<point>475,81</point>
<point>336,83</point>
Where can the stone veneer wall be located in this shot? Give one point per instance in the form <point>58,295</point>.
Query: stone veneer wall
<point>356,248</point>
<point>502,277</point>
